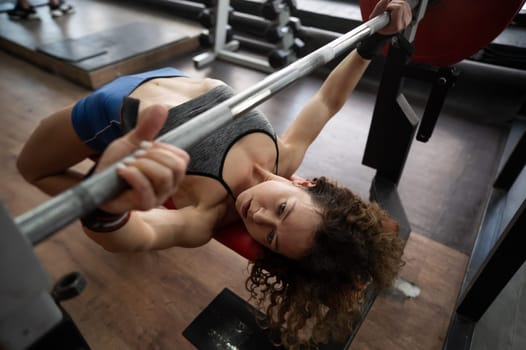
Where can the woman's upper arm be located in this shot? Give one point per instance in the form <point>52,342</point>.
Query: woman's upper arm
<point>52,148</point>
<point>329,99</point>
<point>187,227</point>
<point>297,138</point>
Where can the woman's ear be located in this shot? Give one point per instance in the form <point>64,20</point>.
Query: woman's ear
<point>391,226</point>
<point>302,182</point>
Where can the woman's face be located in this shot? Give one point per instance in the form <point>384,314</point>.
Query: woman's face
<point>280,215</point>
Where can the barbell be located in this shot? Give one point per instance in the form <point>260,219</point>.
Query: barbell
<point>441,39</point>
<point>61,210</point>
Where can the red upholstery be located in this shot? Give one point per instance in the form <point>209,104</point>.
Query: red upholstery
<point>234,237</point>
<point>453,30</point>
<point>237,238</point>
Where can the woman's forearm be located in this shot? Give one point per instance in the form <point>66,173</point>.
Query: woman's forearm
<point>344,78</point>
<point>159,228</point>
<point>342,81</point>
<point>136,235</point>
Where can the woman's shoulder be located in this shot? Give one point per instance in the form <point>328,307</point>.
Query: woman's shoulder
<point>203,195</point>
<point>289,159</point>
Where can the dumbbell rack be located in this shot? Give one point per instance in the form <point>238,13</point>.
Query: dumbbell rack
<point>225,50</point>
<point>289,47</point>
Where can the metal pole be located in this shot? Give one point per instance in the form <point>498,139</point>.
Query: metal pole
<point>40,222</point>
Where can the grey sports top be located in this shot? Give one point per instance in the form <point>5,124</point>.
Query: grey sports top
<point>208,155</point>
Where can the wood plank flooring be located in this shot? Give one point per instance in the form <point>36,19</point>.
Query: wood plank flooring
<point>145,301</point>
<point>395,322</point>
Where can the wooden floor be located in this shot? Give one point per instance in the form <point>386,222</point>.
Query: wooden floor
<point>395,322</point>
<point>144,301</point>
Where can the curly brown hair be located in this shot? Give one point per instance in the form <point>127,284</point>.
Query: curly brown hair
<point>316,298</point>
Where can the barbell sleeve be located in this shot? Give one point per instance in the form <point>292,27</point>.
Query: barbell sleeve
<point>61,210</point>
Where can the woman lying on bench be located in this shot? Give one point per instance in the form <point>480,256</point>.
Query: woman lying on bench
<point>320,245</point>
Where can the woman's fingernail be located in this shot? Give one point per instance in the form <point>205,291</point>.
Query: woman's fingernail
<point>139,153</point>
<point>121,166</point>
<point>128,159</point>
<point>145,144</point>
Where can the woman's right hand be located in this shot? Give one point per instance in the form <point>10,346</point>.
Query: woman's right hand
<point>154,170</point>
<point>401,15</point>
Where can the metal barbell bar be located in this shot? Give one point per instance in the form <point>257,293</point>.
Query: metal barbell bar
<point>39,223</point>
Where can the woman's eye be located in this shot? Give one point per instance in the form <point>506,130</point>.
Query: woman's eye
<point>281,208</point>
<point>270,237</point>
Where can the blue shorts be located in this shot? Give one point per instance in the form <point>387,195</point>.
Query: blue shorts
<point>97,118</point>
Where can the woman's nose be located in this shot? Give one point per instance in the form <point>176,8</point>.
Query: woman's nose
<point>262,217</point>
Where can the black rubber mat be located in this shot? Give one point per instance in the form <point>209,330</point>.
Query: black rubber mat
<point>229,323</point>
<point>75,50</point>
<point>111,45</point>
